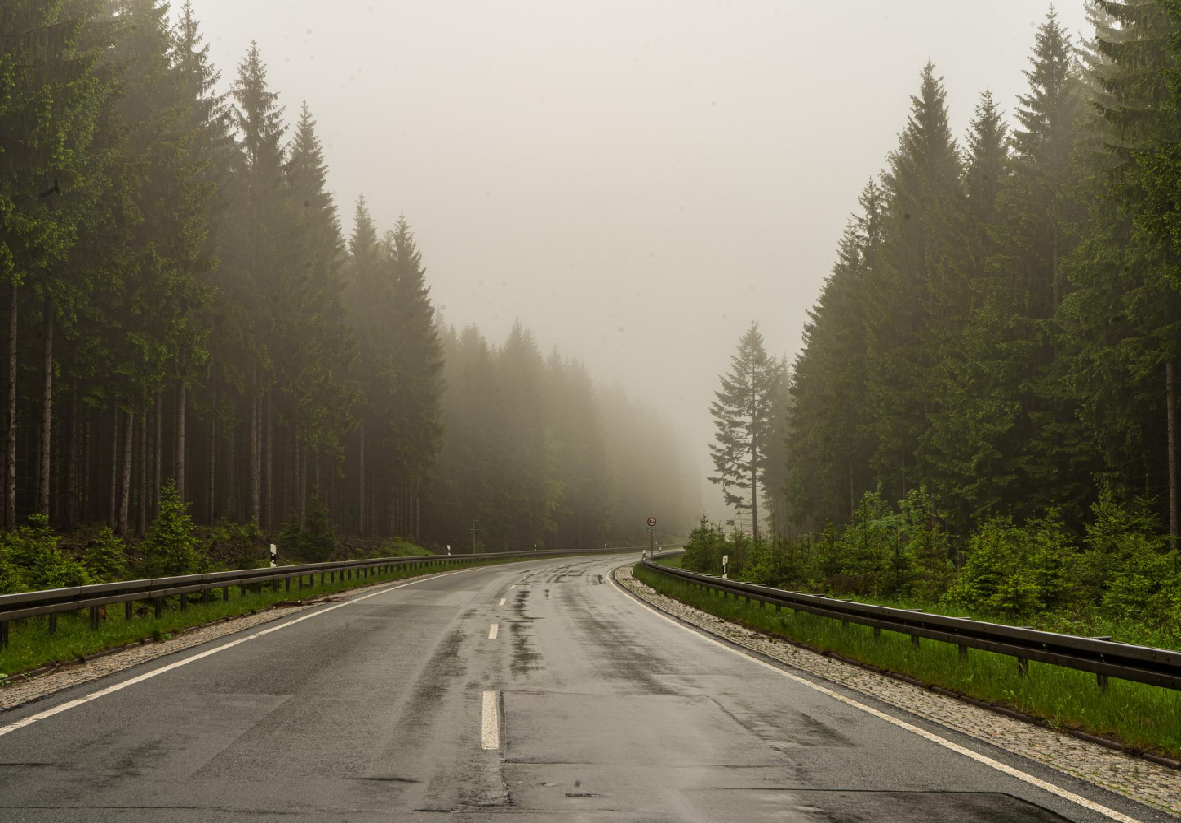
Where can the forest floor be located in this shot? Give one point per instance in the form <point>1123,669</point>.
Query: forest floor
<point>1133,714</point>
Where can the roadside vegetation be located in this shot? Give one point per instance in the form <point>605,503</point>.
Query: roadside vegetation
<point>1136,715</point>
<point>1117,578</point>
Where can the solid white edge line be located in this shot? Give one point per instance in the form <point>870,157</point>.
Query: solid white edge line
<point>902,724</point>
<point>71,704</point>
<point>490,721</point>
<point>492,632</point>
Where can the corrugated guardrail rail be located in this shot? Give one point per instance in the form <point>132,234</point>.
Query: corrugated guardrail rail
<point>52,602</point>
<point>1100,656</point>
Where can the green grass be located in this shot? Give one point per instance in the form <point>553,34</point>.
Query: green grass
<point>1138,715</point>
<point>401,548</point>
<point>31,645</point>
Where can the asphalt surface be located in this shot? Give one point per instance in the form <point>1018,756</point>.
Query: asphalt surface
<point>407,706</point>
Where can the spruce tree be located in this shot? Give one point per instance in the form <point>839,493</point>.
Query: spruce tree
<point>924,203</point>
<point>743,422</point>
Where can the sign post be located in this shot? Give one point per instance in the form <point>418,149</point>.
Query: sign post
<point>475,528</point>
<point>652,537</point>
<point>725,563</point>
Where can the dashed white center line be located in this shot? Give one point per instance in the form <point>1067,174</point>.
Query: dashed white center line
<point>502,601</point>
<point>490,721</point>
<point>513,586</point>
<point>492,632</point>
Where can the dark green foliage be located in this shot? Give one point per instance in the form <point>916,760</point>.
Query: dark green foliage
<point>171,546</point>
<point>105,557</point>
<point>31,559</point>
<point>705,548</point>
<point>316,540</point>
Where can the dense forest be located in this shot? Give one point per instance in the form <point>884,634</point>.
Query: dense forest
<point>996,347</point>
<point>184,309</point>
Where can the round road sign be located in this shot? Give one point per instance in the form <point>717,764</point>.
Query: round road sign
<point>651,522</point>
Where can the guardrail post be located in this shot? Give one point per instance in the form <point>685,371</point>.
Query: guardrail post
<point>287,584</point>
<point>205,593</point>
<point>1101,679</point>
<point>94,617</point>
<point>225,593</point>
<point>877,632</point>
<point>128,609</point>
<point>3,635</point>
<point>1022,666</point>
<point>53,623</point>
<point>159,604</point>
<point>963,652</point>
<point>184,601</point>
<point>914,640</point>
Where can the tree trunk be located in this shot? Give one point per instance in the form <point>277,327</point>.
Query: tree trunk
<point>141,515</point>
<point>43,481</point>
<point>71,515</point>
<point>125,496</point>
<point>85,495</point>
<point>255,479</point>
<point>158,446</point>
<point>361,479</point>
<point>10,459</point>
<point>181,403</point>
<point>269,428</point>
<point>212,507</point>
<point>302,485</point>
<point>1174,491</point>
<point>113,497</point>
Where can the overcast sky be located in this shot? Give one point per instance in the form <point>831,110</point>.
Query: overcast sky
<point>636,181</point>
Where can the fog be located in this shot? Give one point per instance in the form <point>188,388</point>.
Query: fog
<point>634,181</point>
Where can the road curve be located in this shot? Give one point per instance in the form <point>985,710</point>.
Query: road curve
<point>525,691</point>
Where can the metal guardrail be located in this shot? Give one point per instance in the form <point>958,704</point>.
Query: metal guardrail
<point>52,602</point>
<point>1099,656</point>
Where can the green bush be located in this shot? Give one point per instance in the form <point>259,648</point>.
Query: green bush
<point>317,541</point>
<point>171,546</point>
<point>290,534</point>
<point>707,544</point>
<point>105,558</point>
<point>34,553</point>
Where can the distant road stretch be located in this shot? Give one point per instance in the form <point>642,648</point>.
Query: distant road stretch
<point>531,691</point>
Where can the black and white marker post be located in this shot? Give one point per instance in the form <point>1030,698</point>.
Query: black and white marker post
<point>274,555</point>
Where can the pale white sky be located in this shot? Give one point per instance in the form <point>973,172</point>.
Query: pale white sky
<point>635,180</point>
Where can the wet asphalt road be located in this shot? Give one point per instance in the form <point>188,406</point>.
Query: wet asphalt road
<point>601,710</point>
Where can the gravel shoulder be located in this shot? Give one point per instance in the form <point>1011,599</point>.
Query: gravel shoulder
<point>1145,782</point>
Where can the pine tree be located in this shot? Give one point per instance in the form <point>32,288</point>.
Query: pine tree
<point>743,419</point>
<point>417,366</point>
<point>923,198</point>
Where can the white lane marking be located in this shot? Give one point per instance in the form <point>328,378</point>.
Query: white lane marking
<point>513,586</point>
<point>502,601</point>
<point>490,721</point>
<point>902,724</point>
<point>493,631</point>
<point>34,718</point>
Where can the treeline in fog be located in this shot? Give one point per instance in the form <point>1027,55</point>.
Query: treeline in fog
<point>1003,322</point>
<point>984,412</point>
<point>184,309</point>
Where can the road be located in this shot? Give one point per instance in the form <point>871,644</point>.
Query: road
<point>522,692</point>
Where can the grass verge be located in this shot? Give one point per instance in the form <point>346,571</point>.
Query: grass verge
<point>1144,717</point>
<point>31,646</point>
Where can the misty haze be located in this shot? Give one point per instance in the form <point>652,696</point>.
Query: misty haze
<point>646,411</point>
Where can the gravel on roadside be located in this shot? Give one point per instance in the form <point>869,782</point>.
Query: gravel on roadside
<point>1154,785</point>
